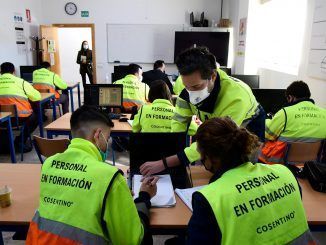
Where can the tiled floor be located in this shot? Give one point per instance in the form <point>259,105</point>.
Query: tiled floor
<point>122,158</point>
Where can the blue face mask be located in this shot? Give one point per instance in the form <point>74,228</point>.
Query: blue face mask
<point>105,154</point>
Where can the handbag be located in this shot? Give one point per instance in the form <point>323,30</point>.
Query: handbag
<point>316,174</point>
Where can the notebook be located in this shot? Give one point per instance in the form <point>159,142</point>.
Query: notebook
<point>186,194</point>
<point>164,196</point>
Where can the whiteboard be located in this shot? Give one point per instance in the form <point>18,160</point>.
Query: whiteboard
<point>141,43</point>
<point>317,54</point>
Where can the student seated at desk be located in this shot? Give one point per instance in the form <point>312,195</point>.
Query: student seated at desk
<point>135,93</point>
<point>158,73</point>
<point>209,92</point>
<point>14,90</point>
<point>44,78</point>
<point>299,121</point>
<point>157,117</point>
<point>84,200</point>
<point>245,203</point>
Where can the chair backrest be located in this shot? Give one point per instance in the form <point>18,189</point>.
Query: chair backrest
<point>43,90</point>
<point>155,146</point>
<point>49,147</point>
<point>301,152</point>
<point>12,108</point>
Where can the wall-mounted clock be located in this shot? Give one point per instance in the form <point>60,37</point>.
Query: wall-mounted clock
<point>71,8</point>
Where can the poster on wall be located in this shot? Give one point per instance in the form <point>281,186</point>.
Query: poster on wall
<point>317,54</point>
<point>19,33</point>
<point>51,46</point>
<point>28,16</point>
<point>242,37</point>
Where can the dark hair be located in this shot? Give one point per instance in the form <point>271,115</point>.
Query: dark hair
<point>159,90</point>
<point>45,64</point>
<point>298,89</point>
<point>82,44</point>
<point>134,68</point>
<point>88,114</point>
<point>196,59</point>
<point>158,64</point>
<point>7,67</point>
<point>221,138</point>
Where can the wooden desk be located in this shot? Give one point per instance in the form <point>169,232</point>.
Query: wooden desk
<point>6,117</point>
<point>45,97</point>
<point>24,179</point>
<point>61,126</point>
<point>70,89</point>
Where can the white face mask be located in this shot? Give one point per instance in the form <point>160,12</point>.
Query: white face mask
<point>195,97</point>
<point>85,46</point>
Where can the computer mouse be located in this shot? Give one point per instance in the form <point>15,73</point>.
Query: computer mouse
<point>124,119</point>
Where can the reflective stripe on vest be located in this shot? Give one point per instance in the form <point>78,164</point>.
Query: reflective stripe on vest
<point>57,230</point>
<point>51,88</point>
<point>257,204</point>
<point>23,106</point>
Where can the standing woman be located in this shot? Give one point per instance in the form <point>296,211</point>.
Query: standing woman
<point>85,60</point>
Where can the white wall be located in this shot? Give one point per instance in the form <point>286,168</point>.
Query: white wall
<point>70,40</point>
<point>274,79</point>
<point>127,12</point>
<point>8,47</point>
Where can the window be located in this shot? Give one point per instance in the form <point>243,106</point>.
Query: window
<point>275,34</point>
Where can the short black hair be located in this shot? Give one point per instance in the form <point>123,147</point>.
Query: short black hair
<point>298,89</point>
<point>45,64</point>
<point>196,59</point>
<point>158,64</point>
<point>7,67</point>
<point>134,68</point>
<point>159,90</point>
<point>88,114</point>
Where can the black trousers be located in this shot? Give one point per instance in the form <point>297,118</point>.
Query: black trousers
<point>64,101</point>
<point>90,77</point>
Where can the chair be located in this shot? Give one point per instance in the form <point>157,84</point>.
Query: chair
<point>301,152</point>
<point>49,147</point>
<point>45,90</point>
<point>15,124</point>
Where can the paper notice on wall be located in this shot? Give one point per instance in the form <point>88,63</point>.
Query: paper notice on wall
<point>242,37</point>
<point>19,33</point>
<point>52,60</point>
<point>51,46</point>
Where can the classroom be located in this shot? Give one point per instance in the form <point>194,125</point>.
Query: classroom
<point>162,122</point>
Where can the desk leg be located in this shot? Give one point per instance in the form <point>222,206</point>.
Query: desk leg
<point>54,110</point>
<point>1,239</point>
<point>11,142</point>
<point>71,100</point>
<point>78,89</point>
<point>40,119</point>
<point>49,134</point>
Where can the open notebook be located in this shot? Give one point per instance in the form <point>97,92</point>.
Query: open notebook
<point>186,194</point>
<point>164,196</point>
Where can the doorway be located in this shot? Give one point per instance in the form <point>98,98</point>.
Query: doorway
<point>70,38</point>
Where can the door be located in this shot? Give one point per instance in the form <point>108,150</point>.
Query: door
<point>50,46</point>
